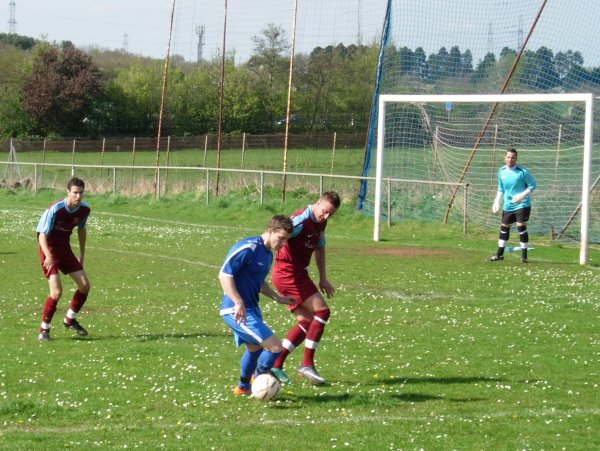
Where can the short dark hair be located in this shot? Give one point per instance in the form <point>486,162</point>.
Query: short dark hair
<point>332,197</point>
<point>513,150</point>
<point>281,222</point>
<point>75,182</point>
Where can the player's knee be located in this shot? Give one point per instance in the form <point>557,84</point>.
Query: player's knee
<point>303,316</point>
<point>304,325</point>
<point>56,293</point>
<point>273,345</point>
<point>255,350</point>
<point>276,348</point>
<point>85,287</point>
<point>323,315</point>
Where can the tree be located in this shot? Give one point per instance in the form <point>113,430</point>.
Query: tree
<point>18,41</point>
<point>566,61</point>
<point>270,67</point>
<point>466,62</point>
<point>13,120</point>
<point>407,61</point>
<point>313,80</point>
<point>454,62</point>
<point>546,76</point>
<point>484,68</point>
<point>60,92</point>
<point>135,98</point>
<point>438,64</point>
<point>421,67</point>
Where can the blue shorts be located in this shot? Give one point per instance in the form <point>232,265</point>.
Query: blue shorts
<point>253,331</point>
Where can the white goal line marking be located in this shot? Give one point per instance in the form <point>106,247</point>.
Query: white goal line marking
<point>147,254</point>
<point>168,221</point>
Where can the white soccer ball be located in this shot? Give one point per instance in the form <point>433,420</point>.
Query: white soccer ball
<point>265,387</point>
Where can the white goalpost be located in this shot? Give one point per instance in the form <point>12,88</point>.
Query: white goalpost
<point>442,132</point>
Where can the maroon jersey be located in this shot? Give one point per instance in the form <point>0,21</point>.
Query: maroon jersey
<point>58,222</point>
<point>307,236</point>
<point>290,275</point>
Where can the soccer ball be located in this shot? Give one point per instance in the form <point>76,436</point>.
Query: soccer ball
<point>265,387</point>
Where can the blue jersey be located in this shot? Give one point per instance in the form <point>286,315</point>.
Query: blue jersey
<point>248,262</point>
<point>514,181</point>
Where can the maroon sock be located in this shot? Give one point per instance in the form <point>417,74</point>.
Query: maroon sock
<point>78,300</point>
<point>49,310</point>
<point>295,336</point>
<point>314,334</point>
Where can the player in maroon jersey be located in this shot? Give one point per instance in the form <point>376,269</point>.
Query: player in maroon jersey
<point>54,245</point>
<point>291,278</point>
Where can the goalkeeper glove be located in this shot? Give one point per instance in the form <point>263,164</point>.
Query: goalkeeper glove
<point>496,204</point>
<point>518,198</point>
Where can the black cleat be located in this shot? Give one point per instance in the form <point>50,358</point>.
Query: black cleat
<point>524,260</point>
<point>496,258</point>
<point>44,335</point>
<point>78,328</point>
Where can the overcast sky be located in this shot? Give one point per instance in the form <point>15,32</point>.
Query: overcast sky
<point>95,23</point>
<point>142,26</point>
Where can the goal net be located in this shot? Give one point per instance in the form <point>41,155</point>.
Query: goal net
<point>463,139</point>
<point>487,47</point>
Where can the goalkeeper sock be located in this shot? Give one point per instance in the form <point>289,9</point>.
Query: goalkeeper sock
<point>524,239</point>
<point>503,239</point>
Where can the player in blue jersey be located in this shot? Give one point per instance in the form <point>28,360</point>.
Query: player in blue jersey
<point>242,278</point>
<point>54,246</point>
<point>516,184</point>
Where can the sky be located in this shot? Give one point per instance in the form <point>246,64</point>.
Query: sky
<point>95,23</point>
<point>142,26</point>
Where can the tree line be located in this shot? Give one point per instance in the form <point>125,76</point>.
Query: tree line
<point>56,90</point>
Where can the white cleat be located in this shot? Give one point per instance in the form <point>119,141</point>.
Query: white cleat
<point>311,374</point>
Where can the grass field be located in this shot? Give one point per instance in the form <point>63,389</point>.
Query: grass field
<point>342,161</point>
<point>429,346</point>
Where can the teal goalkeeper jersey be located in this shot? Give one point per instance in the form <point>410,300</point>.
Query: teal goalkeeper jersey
<point>514,181</point>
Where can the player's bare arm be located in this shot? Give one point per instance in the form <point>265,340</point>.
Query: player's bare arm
<point>324,284</point>
<point>43,240</point>
<point>82,234</point>
<point>270,293</point>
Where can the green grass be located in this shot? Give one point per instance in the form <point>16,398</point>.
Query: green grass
<point>343,161</point>
<point>428,346</point>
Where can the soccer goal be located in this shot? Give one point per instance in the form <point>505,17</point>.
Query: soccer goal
<point>463,139</point>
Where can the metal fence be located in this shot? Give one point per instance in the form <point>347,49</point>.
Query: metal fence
<point>210,184</point>
<point>208,141</point>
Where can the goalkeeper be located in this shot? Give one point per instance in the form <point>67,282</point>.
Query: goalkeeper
<point>516,184</point>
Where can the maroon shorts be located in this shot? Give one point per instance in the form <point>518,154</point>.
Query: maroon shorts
<point>293,281</point>
<point>67,263</point>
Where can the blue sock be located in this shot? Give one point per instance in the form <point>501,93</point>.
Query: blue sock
<point>247,367</point>
<point>266,361</point>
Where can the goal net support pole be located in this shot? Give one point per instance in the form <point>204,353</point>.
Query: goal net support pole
<point>586,98</point>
